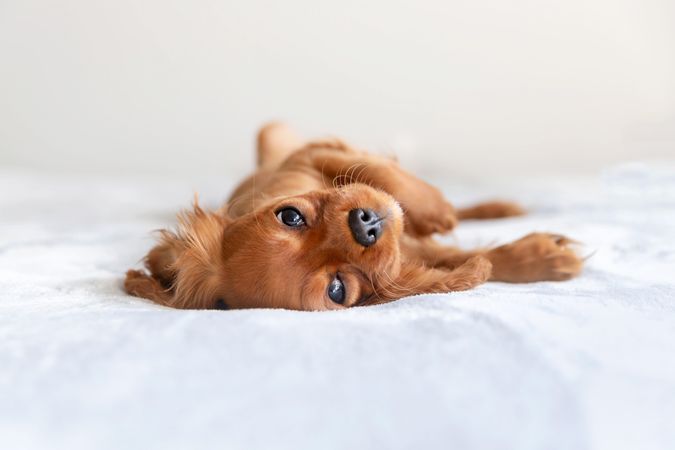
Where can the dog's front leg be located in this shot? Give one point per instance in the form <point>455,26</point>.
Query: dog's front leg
<point>535,257</point>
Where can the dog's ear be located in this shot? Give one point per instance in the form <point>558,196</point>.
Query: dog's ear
<point>415,278</point>
<point>275,142</point>
<point>185,264</point>
<point>161,260</point>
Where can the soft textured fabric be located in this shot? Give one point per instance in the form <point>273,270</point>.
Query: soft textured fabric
<point>585,364</point>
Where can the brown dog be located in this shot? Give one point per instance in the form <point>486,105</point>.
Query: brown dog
<point>320,226</point>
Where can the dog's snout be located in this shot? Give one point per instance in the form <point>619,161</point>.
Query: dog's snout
<point>366,226</point>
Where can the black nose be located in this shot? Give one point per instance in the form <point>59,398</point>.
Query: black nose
<point>366,226</point>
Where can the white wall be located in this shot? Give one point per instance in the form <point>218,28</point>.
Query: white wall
<point>468,87</point>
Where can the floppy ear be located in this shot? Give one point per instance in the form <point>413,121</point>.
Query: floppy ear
<point>185,265</point>
<point>417,279</point>
<point>160,261</point>
<point>138,283</point>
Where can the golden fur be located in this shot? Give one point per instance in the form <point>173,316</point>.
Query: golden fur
<point>244,256</point>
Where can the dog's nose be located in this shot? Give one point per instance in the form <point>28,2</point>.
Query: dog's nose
<point>366,226</point>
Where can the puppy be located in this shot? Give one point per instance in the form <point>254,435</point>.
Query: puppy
<point>320,226</point>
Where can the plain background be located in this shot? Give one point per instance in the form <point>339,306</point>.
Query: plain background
<point>470,88</point>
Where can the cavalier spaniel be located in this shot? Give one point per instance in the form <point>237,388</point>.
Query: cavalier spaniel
<point>321,225</point>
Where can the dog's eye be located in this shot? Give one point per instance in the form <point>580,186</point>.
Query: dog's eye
<point>291,217</point>
<point>336,290</point>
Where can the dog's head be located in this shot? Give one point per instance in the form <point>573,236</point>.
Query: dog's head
<point>327,249</point>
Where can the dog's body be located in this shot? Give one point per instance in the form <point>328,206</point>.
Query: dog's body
<point>323,226</point>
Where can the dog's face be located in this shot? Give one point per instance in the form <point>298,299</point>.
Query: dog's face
<point>327,249</point>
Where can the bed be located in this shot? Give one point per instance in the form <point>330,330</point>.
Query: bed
<point>585,364</point>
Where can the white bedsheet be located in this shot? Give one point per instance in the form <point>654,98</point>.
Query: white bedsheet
<point>586,364</point>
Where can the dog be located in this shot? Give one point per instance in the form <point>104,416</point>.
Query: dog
<point>320,226</point>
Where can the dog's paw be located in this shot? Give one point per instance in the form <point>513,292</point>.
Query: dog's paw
<point>476,270</point>
<point>430,216</point>
<point>536,257</point>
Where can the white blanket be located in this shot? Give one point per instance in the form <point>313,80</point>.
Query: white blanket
<point>588,363</point>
